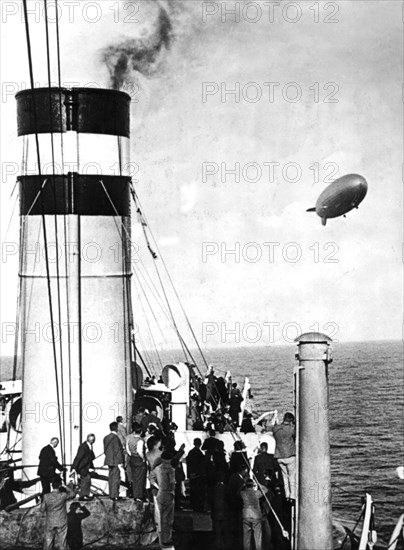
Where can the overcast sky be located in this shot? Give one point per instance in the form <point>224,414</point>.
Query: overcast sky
<point>318,94</point>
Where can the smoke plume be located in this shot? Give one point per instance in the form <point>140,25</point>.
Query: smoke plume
<point>141,54</point>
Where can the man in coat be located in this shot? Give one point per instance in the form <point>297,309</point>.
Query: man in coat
<point>262,463</point>
<point>48,464</point>
<point>122,433</point>
<point>114,457</point>
<point>136,462</point>
<point>162,477</point>
<point>82,464</point>
<point>234,487</point>
<point>235,404</point>
<point>196,470</point>
<point>285,453</point>
<point>54,506</point>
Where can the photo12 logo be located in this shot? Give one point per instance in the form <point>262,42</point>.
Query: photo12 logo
<point>70,332</point>
<point>269,252</point>
<point>269,92</point>
<point>267,172</point>
<point>269,12</point>
<point>71,412</point>
<point>56,253</point>
<point>71,11</point>
<point>267,332</point>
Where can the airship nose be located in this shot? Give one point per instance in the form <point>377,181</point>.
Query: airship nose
<point>359,183</point>
<point>363,186</point>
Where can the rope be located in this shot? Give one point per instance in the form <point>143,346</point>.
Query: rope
<point>21,522</point>
<point>358,495</point>
<point>395,540</point>
<point>353,530</point>
<point>236,437</point>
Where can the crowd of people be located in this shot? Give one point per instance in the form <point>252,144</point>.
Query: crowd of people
<point>215,403</point>
<point>248,498</point>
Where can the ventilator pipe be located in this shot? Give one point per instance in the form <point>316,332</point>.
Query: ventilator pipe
<point>313,511</point>
<point>176,378</point>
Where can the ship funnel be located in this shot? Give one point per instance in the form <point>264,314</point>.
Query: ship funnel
<point>74,267</point>
<point>313,516</point>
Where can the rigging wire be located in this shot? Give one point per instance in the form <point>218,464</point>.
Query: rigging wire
<point>150,307</point>
<point>121,236</point>
<point>27,312</point>
<point>19,285</point>
<point>148,325</point>
<point>19,294</point>
<point>171,313</point>
<point>79,295</point>
<point>31,73</point>
<point>168,314</point>
<point>59,303</point>
<point>137,202</point>
<point>65,231</point>
<point>154,256</point>
<point>142,360</point>
<point>353,530</point>
<point>11,215</point>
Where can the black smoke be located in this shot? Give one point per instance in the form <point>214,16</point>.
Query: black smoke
<point>141,55</point>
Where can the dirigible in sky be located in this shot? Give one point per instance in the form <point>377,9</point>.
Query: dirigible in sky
<point>340,197</point>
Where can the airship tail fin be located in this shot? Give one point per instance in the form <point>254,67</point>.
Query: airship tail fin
<point>311,209</point>
<point>323,221</point>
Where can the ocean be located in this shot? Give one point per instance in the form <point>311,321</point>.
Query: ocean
<point>366,392</point>
<point>366,388</point>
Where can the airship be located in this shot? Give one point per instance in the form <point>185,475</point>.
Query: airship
<point>341,196</point>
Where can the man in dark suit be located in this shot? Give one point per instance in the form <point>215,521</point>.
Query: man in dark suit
<point>235,404</point>
<point>54,506</point>
<point>211,444</point>
<point>196,470</point>
<point>235,485</point>
<point>114,457</point>
<point>262,463</point>
<point>82,464</point>
<point>48,464</point>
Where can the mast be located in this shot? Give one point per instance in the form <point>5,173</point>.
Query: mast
<point>75,214</point>
<point>313,514</point>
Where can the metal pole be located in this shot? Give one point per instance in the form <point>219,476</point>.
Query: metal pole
<point>314,525</point>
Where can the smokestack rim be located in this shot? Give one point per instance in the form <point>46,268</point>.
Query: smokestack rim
<point>313,337</point>
<point>80,90</point>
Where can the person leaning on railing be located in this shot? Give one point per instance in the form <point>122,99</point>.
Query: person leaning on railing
<point>285,453</point>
